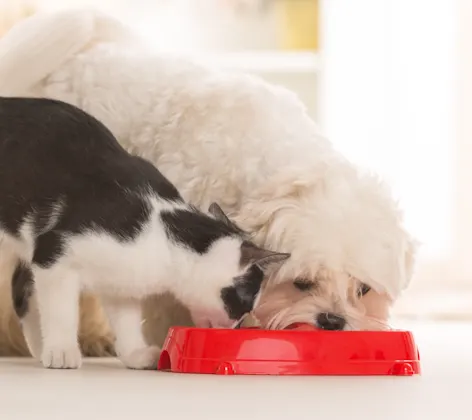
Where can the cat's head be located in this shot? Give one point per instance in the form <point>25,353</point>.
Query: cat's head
<point>235,271</point>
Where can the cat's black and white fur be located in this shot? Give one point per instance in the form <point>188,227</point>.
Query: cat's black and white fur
<point>78,212</point>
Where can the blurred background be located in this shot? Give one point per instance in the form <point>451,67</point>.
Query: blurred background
<point>389,82</point>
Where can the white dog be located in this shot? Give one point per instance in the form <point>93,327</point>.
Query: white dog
<point>230,138</point>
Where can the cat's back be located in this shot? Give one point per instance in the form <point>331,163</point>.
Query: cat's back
<point>52,148</point>
<point>52,152</point>
<point>28,123</point>
<point>49,149</point>
<point>49,142</point>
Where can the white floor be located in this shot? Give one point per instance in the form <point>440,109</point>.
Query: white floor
<point>102,389</point>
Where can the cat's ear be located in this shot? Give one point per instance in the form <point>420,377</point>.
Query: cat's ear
<point>219,214</point>
<point>263,258</point>
<point>273,260</point>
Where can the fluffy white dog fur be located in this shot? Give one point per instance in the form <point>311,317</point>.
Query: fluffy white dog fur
<point>225,137</point>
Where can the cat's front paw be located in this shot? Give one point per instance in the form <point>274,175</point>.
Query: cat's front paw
<point>144,358</point>
<point>61,358</point>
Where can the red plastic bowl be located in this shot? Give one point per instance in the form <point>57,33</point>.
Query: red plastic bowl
<point>299,351</point>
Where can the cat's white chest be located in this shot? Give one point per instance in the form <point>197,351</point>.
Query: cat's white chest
<point>134,268</point>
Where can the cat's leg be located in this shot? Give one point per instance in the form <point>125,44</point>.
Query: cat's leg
<point>31,327</point>
<point>126,322</point>
<point>58,291</point>
<point>25,305</point>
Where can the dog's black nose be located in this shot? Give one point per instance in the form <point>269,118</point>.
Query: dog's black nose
<point>330,321</point>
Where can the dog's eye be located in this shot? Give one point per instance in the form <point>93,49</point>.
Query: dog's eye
<point>363,290</point>
<point>303,284</point>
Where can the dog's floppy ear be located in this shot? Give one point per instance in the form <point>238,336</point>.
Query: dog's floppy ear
<point>263,258</point>
<point>410,251</point>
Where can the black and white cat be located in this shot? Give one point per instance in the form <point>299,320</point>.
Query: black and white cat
<point>78,212</point>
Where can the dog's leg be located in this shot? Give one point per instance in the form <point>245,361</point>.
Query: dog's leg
<point>95,336</point>
<point>57,289</point>
<point>125,320</point>
<point>160,312</point>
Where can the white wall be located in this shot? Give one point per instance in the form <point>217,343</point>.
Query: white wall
<point>463,156</point>
<point>389,100</point>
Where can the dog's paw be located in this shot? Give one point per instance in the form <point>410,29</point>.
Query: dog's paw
<point>144,358</point>
<point>61,358</point>
<point>98,345</point>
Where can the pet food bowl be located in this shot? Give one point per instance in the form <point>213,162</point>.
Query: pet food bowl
<point>300,350</point>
